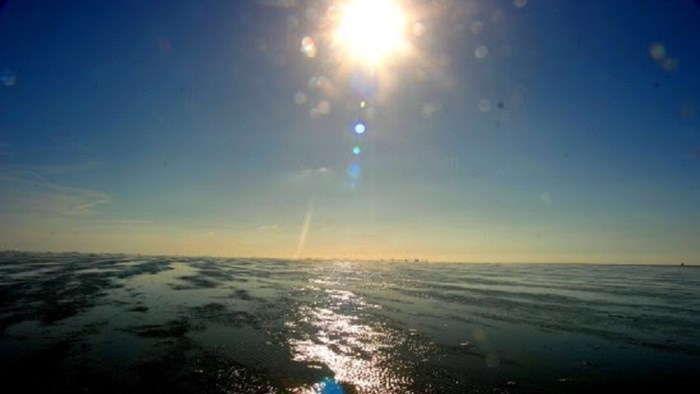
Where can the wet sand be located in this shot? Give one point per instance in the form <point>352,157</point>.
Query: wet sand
<point>115,323</point>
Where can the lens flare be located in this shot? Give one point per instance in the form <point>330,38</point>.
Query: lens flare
<point>354,170</point>
<point>360,128</point>
<point>308,47</point>
<point>356,151</point>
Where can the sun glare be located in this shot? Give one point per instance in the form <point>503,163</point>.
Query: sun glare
<point>371,30</point>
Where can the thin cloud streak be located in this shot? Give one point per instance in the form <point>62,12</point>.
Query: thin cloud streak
<point>46,196</point>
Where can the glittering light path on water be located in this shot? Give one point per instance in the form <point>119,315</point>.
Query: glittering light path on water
<point>332,333</point>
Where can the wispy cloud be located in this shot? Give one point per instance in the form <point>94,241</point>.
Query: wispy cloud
<point>278,3</point>
<point>55,168</point>
<point>269,227</point>
<point>315,172</point>
<point>307,177</point>
<point>27,188</point>
<point>58,154</point>
<point>127,223</point>
<point>32,193</point>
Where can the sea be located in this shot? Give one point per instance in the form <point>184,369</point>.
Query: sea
<point>106,323</point>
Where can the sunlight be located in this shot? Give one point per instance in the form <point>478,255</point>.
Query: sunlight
<point>371,30</point>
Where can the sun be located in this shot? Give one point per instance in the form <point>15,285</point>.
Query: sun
<point>371,30</point>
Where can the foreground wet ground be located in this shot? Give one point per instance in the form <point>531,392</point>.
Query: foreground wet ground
<point>115,323</point>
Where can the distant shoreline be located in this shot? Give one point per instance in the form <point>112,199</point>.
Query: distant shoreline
<point>358,260</point>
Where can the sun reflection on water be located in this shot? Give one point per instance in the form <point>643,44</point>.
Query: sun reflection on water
<point>357,352</point>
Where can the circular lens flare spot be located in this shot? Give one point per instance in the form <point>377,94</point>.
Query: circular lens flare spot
<point>360,128</point>
<point>356,151</point>
<point>657,51</point>
<point>8,78</point>
<point>354,170</point>
<point>300,98</point>
<point>484,105</point>
<point>308,47</point>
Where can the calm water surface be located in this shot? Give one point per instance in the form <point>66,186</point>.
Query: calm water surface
<point>115,323</point>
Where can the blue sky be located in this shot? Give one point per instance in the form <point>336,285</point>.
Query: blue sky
<point>553,131</point>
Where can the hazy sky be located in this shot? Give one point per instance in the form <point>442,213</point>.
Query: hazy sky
<point>553,131</point>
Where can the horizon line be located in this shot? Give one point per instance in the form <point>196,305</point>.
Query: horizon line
<point>383,260</point>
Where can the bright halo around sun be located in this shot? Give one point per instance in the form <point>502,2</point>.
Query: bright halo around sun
<point>371,30</point>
